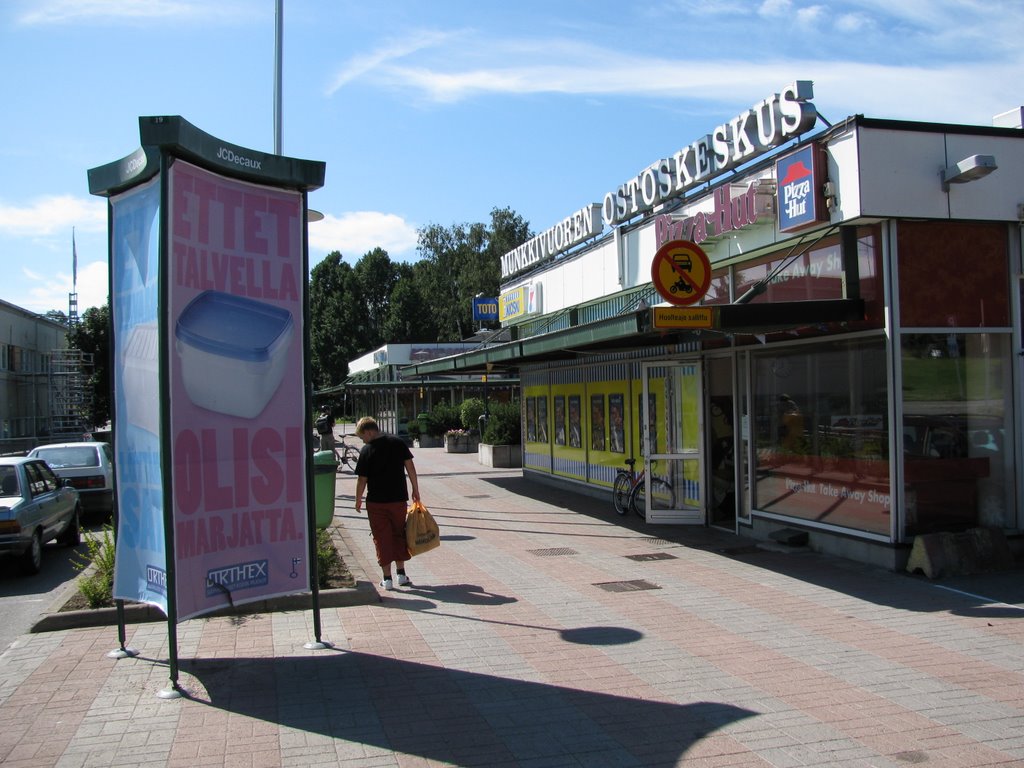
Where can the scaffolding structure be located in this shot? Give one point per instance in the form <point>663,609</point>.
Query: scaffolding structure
<point>70,370</point>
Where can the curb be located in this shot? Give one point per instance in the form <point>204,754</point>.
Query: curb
<point>363,593</point>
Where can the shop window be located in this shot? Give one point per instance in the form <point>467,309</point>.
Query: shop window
<point>817,274</point>
<point>953,274</point>
<point>718,289</point>
<point>956,456</point>
<point>819,425</point>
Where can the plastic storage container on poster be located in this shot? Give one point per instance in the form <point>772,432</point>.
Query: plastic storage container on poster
<point>141,378</point>
<point>233,351</point>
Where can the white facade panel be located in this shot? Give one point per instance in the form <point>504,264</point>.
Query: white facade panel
<point>994,197</point>
<point>844,173</point>
<point>899,174</point>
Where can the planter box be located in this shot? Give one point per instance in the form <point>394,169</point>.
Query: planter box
<point>465,444</point>
<point>501,455</point>
<point>428,441</point>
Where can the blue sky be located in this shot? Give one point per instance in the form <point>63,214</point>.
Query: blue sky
<point>435,112</point>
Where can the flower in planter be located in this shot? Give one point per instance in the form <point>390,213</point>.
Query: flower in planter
<point>457,435</point>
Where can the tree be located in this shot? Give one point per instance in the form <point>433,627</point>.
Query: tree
<point>376,277</point>
<point>92,336</point>
<point>464,261</point>
<point>333,321</point>
<point>409,317</point>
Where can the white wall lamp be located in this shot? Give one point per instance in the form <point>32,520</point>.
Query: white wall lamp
<point>969,169</point>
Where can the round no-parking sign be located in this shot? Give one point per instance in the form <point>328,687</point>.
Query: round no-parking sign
<point>681,272</point>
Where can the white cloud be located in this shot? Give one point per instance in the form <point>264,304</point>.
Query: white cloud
<point>50,291</point>
<point>357,232</point>
<point>773,8</point>
<point>809,16</point>
<point>362,65</point>
<point>849,23</point>
<point>46,216</point>
<point>51,12</point>
<point>63,11</point>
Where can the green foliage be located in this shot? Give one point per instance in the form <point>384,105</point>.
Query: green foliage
<point>461,261</point>
<point>504,427</point>
<point>92,335</point>
<point>98,586</point>
<point>409,315</point>
<point>334,323</point>
<point>376,277</point>
<point>414,429</point>
<point>440,419</point>
<point>469,412</point>
<point>327,558</point>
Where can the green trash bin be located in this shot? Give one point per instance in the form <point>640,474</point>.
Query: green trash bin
<point>324,468</point>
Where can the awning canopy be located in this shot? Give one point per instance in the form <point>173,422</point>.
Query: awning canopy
<point>636,329</point>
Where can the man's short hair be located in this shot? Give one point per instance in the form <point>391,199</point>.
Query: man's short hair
<point>366,423</point>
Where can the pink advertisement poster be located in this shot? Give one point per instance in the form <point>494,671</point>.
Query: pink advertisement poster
<point>235,298</point>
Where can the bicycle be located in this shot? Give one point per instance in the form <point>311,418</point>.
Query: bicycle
<point>622,488</point>
<point>348,454</point>
<point>629,490</point>
<point>661,489</point>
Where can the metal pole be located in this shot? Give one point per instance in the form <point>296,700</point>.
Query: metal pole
<point>278,56</point>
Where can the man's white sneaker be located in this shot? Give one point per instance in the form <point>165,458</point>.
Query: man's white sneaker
<point>388,584</point>
<point>404,581</point>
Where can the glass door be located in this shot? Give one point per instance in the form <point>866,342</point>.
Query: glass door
<point>672,414</point>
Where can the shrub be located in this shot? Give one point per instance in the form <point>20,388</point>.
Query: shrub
<point>504,427</point>
<point>441,418</point>
<point>327,558</point>
<point>98,587</point>
<point>469,412</point>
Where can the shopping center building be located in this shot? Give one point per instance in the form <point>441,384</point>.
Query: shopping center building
<point>798,326</point>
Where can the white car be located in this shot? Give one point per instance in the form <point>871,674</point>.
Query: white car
<point>90,468</point>
<point>35,507</point>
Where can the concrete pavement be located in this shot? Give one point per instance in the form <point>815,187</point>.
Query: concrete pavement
<point>547,631</point>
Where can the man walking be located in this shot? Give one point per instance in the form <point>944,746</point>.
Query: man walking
<point>383,464</point>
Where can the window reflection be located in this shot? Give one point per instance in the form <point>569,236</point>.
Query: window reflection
<point>821,435</point>
<point>955,452</point>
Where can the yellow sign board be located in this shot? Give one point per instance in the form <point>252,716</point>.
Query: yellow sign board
<point>512,304</point>
<point>683,317</point>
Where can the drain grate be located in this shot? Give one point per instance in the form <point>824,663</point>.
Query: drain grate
<point>553,552</point>
<point>651,556</point>
<point>637,585</point>
<point>661,542</point>
<point>478,496</point>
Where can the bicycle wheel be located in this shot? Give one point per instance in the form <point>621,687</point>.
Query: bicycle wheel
<point>349,456</point>
<point>638,500</point>
<point>620,493</point>
<point>664,496</point>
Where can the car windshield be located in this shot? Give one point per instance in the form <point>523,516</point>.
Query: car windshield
<point>8,482</point>
<point>71,456</point>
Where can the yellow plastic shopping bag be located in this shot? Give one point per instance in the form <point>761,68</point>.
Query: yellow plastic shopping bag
<point>421,531</point>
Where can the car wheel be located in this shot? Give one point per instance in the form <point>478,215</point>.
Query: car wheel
<point>72,535</point>
<point>32,560</point>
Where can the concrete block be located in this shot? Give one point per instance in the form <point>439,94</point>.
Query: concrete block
<point>978,550</point>
<point>791,537</point>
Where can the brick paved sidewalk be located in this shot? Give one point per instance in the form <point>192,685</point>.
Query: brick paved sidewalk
<point>546,631</point>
